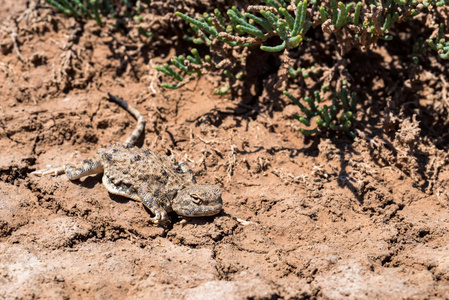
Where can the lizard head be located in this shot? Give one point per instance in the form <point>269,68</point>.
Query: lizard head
<point>198,200</point>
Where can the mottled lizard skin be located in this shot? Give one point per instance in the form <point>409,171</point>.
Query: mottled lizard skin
<point>160,183</point>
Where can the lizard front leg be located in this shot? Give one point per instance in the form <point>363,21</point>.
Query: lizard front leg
<point>160,213</point>
<point>86,167</point>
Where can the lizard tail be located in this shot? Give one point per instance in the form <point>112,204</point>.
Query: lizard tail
<point>134,136</point>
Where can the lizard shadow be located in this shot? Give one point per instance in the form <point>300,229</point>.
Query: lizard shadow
<point>175,218</point>
<point>119,199</point>
<point>91,181</point>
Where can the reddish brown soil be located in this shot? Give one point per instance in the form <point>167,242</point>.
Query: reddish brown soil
<point>326,218</point>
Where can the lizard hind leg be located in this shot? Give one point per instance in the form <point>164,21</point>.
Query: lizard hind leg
<point>73,172</point>
<point>86,167</point>
<point>49,171</point>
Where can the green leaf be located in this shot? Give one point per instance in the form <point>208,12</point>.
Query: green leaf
<point>275,48</point>
<point>201,25</point>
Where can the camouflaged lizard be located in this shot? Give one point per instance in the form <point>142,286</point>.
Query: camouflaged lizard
<point>161,184</point>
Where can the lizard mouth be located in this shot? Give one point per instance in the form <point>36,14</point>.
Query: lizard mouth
<point>199,211</point>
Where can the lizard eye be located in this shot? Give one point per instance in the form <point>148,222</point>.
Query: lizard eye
<point>196,199</point>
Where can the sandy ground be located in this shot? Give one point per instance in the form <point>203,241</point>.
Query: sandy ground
<point>325,218</point>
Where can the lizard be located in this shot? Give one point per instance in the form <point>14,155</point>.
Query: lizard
<point>160,183</point>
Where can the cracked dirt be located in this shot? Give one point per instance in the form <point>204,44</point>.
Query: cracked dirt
<point>326,218</point>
